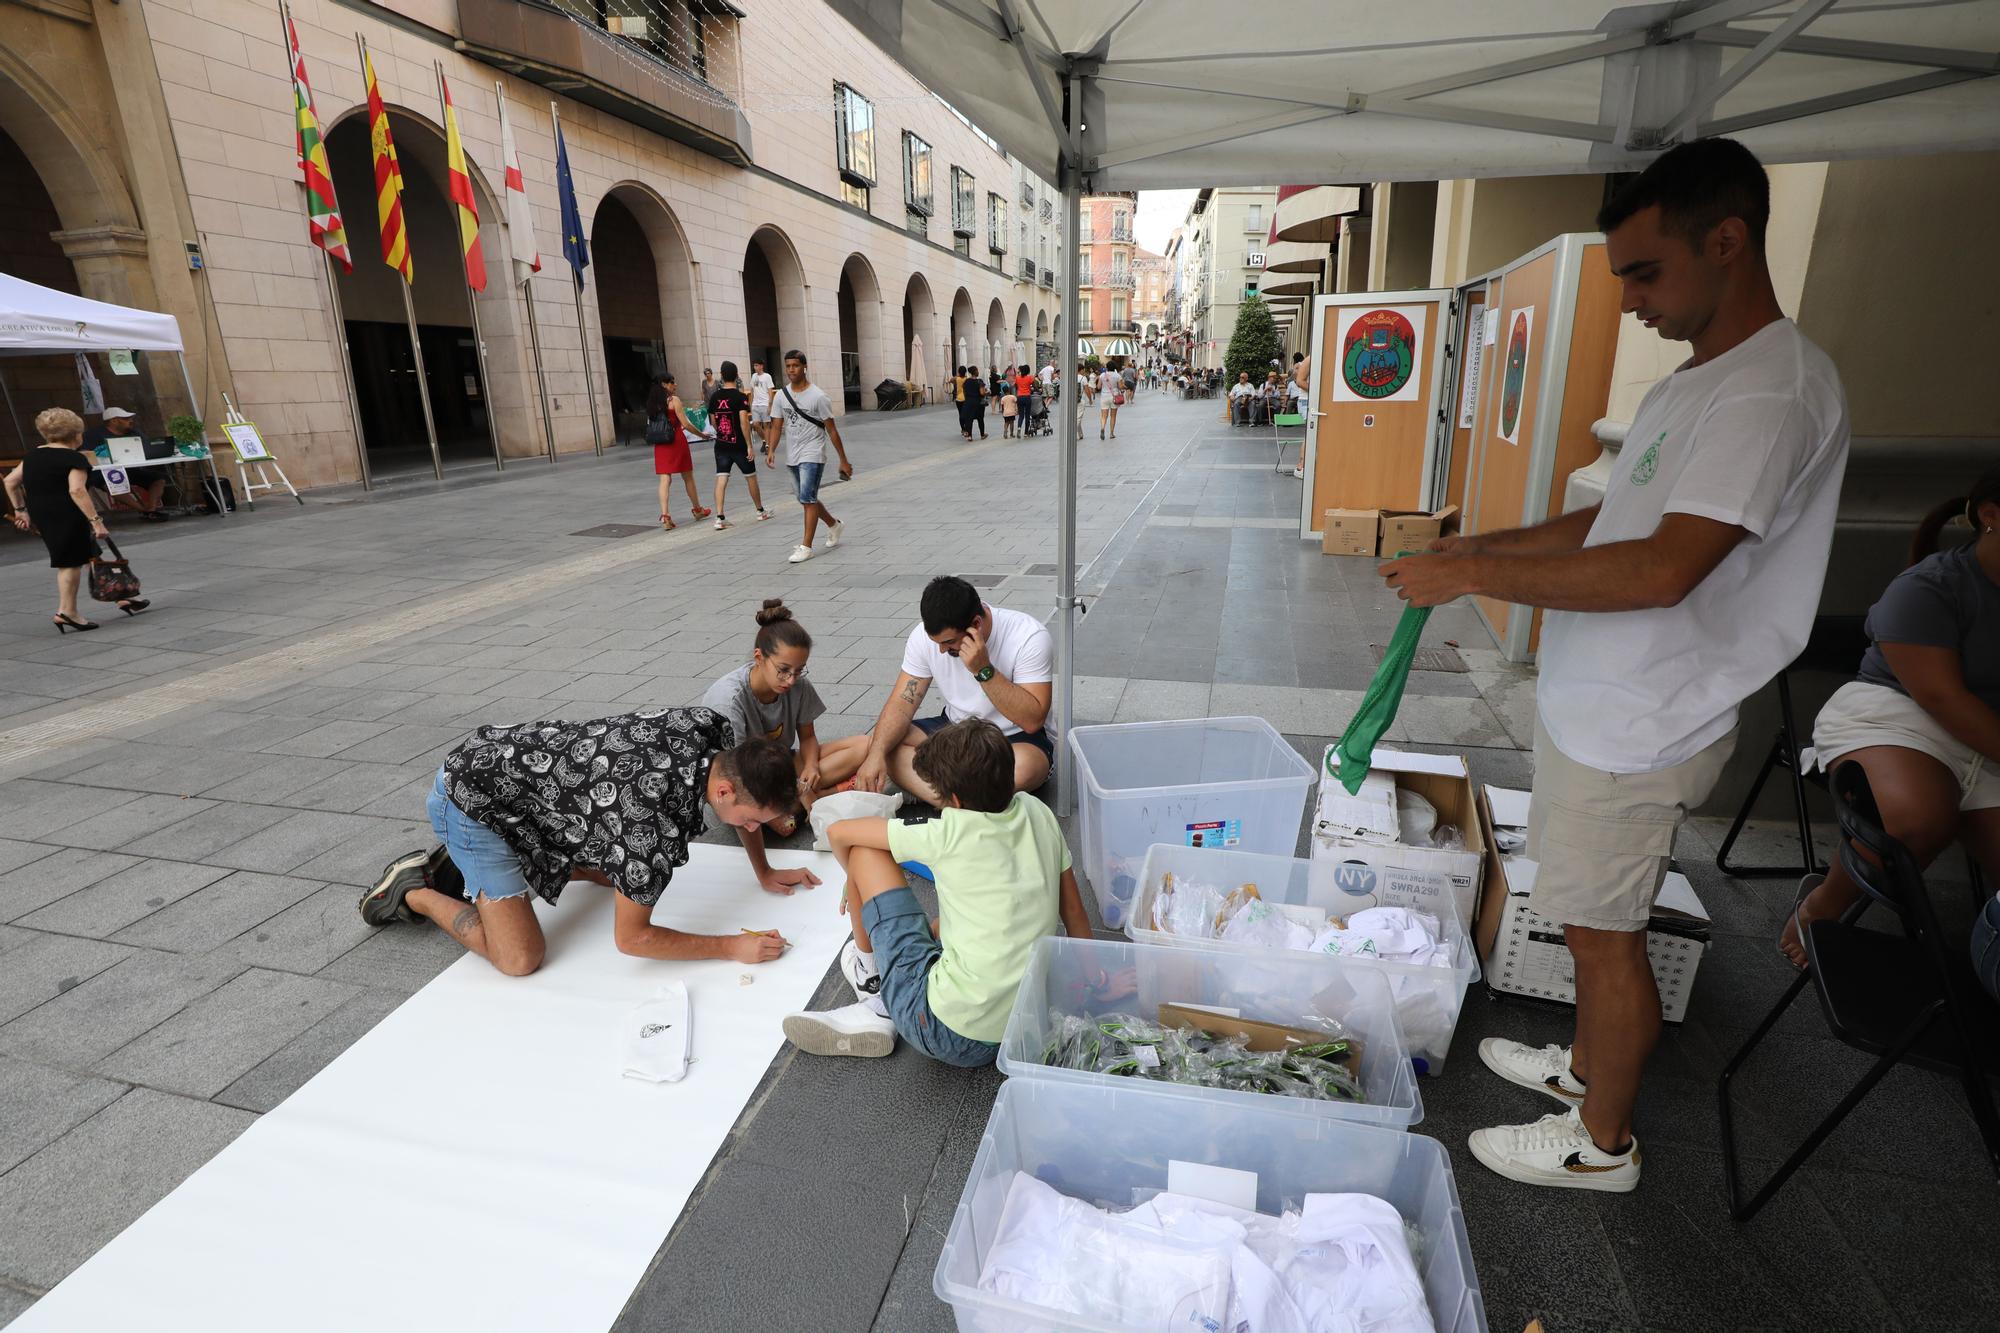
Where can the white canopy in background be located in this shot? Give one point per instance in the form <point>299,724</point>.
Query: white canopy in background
<point>1184,92</point>
<point>38,319</point>
<point>1176,93</point>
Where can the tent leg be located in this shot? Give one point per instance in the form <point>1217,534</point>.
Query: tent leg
<point>1072,187</point>
<point>194,403</point>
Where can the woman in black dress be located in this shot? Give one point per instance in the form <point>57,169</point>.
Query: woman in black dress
<point>48,490</point>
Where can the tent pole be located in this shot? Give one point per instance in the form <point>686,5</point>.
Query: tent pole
<point>19,430</point>
<point>1072,188</point>
<point>194,402</point>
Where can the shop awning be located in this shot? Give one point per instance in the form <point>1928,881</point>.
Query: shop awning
<point>40,319</point>
<point>1120,347</point>
<point>1294,257</point>
<point>1313,212</point>
<point>1182,92</point>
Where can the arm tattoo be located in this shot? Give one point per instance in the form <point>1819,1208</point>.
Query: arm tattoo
<point>464,923</point>
<point>912,691</point>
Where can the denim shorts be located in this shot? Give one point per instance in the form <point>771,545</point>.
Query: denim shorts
<point>490,867</point>
<point>905,951</point>
<point>805,480</point>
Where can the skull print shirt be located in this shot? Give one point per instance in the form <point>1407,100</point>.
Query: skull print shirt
<point>619,795</point>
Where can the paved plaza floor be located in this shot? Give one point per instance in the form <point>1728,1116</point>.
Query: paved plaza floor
<point>190,801</point>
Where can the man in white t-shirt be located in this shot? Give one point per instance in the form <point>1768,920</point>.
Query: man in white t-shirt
<point>1684,592</point>
<point>802,419</point>
<point>1242,395</point>
<point>984,661</point>
<point>761,387</point>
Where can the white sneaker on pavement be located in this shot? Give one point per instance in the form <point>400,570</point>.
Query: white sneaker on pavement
<point>1557,1151</point>
<point>720,522</point>
<point>866,982</point>
<point>833,533</point>
<point>853,1030</point>
<point>799,555</point>
<point>1545,1070</point>
<point>763,515</point>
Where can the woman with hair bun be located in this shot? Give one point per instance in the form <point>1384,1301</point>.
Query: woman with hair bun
<point>769,697</point>
<point>1923,717</point>
<point>50,495</point>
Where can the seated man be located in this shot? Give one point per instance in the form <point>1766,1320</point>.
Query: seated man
<point>1003,882</point>
<point>523,809</point>
<point>1241,395</point>
<point>987,662</point>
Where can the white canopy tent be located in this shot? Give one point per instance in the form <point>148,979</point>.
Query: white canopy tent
<point>1155,94</point>
<point>38,321</point>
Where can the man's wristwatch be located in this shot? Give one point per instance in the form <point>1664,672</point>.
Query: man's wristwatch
<point>984,673</point>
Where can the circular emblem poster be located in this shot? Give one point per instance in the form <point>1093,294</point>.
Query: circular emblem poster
<point>1514,383</point>
<point>1379,348</point>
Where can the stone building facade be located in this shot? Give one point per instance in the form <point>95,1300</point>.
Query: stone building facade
<point>751,176</point>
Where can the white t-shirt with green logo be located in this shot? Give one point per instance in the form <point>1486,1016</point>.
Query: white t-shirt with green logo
<point>1758,438</point>
<point>999,883</point>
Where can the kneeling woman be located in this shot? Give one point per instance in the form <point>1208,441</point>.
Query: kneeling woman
<point>1923,720</point>
<point>769,698</point>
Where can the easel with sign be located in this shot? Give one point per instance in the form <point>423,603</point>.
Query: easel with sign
<point>251,452</point>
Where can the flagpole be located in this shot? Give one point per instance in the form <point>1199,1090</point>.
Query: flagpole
<point>582,329</point>
<point>410,315</point>
<point>339,320</point>
<point>526,284</point>
<point>472,297</point>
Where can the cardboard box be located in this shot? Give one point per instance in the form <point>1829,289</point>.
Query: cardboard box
<point>1523,952</point>
<point>1255,1034</point>
<point>1350,531</point>
<point>1413,530</point>
<point>1359,860</point>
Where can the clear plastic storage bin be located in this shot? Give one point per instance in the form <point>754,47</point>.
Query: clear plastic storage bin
<point>1111,1146</point>
<point>1091,978</point>
<point>1216,781</point>
<point>1428,999</point>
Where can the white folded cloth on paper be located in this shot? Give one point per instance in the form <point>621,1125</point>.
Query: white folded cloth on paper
<point>656,1038</point>
<point>830,810</point>
<point>1341,1265</point>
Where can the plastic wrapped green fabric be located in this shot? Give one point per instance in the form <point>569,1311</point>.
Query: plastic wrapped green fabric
<point>1129,1047</point>
<point>1379,705</point>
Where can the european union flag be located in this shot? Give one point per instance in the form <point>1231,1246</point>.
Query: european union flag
<point>574,249</point>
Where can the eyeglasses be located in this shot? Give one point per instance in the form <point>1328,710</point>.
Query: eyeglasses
<point>784,672</point>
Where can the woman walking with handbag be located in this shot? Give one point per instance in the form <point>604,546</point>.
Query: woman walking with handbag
<point>667,432</point>
<point>49,490</point>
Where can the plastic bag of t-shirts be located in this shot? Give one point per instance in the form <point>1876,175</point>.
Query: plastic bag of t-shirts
<point>830,810</point>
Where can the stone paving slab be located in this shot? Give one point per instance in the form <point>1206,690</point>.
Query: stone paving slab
<point>216,1040</point>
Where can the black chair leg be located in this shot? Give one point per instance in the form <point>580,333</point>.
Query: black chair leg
<point>1743,817</point>
<point>1784,754</point>
<point>1742,1211</point>
<point>1736,1061</point>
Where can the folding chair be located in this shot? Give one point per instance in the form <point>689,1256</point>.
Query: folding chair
<point>1908,998</point>
<point>1835,646</point>
<point>1288,420</point>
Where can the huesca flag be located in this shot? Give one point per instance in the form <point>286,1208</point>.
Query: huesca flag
<point>322,208</point>
<point>520,219</point>
<point>464,203</point>
<point>388,179</point>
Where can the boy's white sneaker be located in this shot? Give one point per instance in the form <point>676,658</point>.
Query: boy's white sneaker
<point>799,555</point>
<point>1556,1151</point>
<point>1545,1070</point>
<point>833,533</point>
<point>853,1030</point>
<point>865,981</point>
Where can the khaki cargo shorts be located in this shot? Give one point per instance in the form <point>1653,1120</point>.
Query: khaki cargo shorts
<point>1603,840</point>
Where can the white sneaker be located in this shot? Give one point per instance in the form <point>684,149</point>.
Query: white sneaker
<point>833,532</point>
<point>1557,1151</point>
<point>763,515</point>
<point>1545,1070</point>
<point>799,555</point>
<point>865,981</point>
<point>720,522</point>
<point>853,1030</point>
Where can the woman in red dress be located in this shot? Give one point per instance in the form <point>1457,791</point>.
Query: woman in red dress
<point>671,457</point>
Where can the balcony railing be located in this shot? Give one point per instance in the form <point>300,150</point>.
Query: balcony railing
<point>1121,281</point>
<point>1121,234</point>
<point>1083,278</point>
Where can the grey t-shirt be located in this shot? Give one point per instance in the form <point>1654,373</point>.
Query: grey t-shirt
<point>753,719</point>
<point>1943,601</point>
<point>804,442</point>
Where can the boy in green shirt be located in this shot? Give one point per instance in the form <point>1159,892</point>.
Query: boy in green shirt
<point>1003,880</point>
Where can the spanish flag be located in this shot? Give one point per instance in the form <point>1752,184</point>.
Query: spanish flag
<point>464,203</point>
<point>322,209</point>
<point>388,178</point>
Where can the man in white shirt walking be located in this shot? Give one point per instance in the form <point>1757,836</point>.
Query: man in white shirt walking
<point>1693,583</point>
<point>802,418</point>
<point>985,662</point>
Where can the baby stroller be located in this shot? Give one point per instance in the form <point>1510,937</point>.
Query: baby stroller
<point>1035,420</point>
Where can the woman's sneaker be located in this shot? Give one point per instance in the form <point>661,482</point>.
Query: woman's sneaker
<point>799,555</point>
<point>720,522</point>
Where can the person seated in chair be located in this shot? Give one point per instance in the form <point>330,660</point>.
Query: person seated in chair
<point>987,662</point>
<point>1242,395</point>
<point>1923,718</point>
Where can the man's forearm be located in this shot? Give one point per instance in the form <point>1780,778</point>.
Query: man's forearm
<point>663,943</point>
<point>894,719</point>
<point>1018,706</point>
<point>1565,532</point>
<point>1618,576</point>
